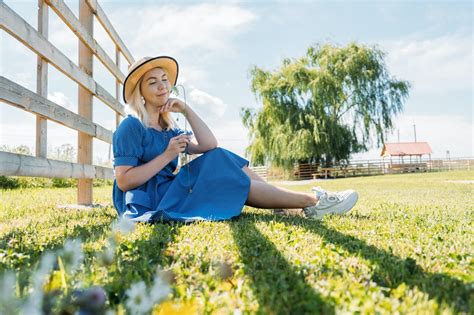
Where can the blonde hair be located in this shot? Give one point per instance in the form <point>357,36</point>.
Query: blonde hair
<point>137,108</point>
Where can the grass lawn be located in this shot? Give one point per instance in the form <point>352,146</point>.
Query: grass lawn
<point>406,247</point>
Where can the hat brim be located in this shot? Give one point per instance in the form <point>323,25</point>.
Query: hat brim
<point>168,64</point>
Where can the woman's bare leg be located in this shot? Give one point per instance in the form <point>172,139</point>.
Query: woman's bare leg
<point>264,195</point>
<point>277,210</point>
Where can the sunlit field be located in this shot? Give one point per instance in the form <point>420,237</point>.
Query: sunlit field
<point>406,247</point>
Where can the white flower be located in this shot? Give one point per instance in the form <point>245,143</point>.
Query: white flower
<point>33,304</point>
<point>8,301</point>
<point>159,291</point>
<point>138,301</point>
<point>46,264</point>
<point>123,225</point>
<point>7,286</point>
<point>35,298</point>
<point>72,253</point>
<point>106,257</point>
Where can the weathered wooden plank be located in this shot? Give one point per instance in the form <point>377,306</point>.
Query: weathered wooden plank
<point>41,146</point>
<point>25,99</point>
<point>63,11</point>
<point>117,86</point>
<point>12,164</point>
<point>104,20</point>
<point>25,33</point>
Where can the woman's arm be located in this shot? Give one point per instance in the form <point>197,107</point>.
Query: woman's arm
<point>130,177</point>
<point>205,138</point>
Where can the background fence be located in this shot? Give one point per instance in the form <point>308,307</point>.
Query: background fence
<point>37,103</point>
<point>365,168</point>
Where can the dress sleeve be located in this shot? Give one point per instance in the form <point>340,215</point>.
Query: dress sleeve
<point>127,142</point>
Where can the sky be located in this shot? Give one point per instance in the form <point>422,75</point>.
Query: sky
<point>428,43</point>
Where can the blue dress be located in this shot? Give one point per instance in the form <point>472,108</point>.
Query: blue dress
<point>211,187</point>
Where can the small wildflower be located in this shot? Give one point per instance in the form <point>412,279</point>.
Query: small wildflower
<point>34,302</point>
<point>72,253</point>
<point>160,290</point>
<point>138,301</point>
<point>13,243</point>
<point>33,305</point>
<point>106,257</point>
<point>45,267</point>
<point>8,301</point>
<point>123,226</point>
<point>90,300</point>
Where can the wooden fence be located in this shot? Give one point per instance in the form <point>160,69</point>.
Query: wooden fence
<point>44,109</point>
<point>366,168</point>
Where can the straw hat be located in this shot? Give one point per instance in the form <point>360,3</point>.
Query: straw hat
<point>140,67</point>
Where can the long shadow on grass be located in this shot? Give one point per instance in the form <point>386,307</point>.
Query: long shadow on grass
<point>27,249</point>
<point>391,270</point>
<point>138,259</point>
<point>278,286</point>
<point>24,243</point>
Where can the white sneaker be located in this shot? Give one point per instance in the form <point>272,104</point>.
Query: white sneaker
<point>331,203</point>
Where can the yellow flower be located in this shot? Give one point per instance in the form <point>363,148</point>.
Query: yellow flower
<point>176,308</point>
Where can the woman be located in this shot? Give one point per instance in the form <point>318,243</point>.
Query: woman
<point>214,186</point>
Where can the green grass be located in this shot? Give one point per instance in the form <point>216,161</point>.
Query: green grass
<point>406,247</point>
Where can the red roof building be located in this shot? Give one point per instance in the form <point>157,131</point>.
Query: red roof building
<point>406,149</point>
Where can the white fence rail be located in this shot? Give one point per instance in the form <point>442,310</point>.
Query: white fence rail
<point>37,103</point>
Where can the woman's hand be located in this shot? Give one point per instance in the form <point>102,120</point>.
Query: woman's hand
<point>173,105</point>
<point>177,145</point>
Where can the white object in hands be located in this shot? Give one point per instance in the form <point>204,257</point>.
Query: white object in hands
<point>331,203</point>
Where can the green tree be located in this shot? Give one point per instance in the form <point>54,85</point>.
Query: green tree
<point>323,106</point>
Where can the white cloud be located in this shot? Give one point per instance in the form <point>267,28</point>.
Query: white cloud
<point>435,66</point>
<point>63,38</point>
<point>453,133</point>
<point>60,99</point>
<point>23,132</point>
<point>195,29</point>
<point>232,136</point>
<point>439,64</point>
<point>208,106</point>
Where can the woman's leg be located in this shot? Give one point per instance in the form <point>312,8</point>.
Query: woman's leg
<point>263,195</point>
<point>262,199</point>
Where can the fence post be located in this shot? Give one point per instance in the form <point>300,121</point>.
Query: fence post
<point>84,143</point>
<point>41,146</point>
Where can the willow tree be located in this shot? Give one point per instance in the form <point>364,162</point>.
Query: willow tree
<point>323,106</point>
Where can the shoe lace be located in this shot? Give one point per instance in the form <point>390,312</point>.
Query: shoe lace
<point>330,197</point>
